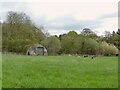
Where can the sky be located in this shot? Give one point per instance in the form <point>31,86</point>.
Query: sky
<point>62,16</point>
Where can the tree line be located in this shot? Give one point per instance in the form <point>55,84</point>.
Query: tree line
<point>19,33</point>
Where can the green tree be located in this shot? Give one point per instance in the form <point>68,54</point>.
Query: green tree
<point>115,40</point>
<point>19,33</point>
<point>52,44</point>
<point>70,43</point>
<point>103,48</point>
<point>107,49</point>
<point>87,31</point>
<point>90,46</point>
<point>112,49</point>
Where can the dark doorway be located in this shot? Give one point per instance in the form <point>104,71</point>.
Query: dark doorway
<point>40,51</point>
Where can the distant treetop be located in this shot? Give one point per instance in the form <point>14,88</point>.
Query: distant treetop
<point>87,31</point>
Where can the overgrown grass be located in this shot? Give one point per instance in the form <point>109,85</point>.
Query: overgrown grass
<point>59,72</point>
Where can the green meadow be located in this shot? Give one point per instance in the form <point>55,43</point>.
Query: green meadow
<point>19,71</point>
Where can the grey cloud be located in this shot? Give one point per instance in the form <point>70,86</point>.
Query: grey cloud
<point>13,6</point>
<point>68,23</point>
<point>112,15</point>
<point>63,23</point>
<point>5,7</point>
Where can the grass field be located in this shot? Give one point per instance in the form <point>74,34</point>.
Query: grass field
<point>59,72</point>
